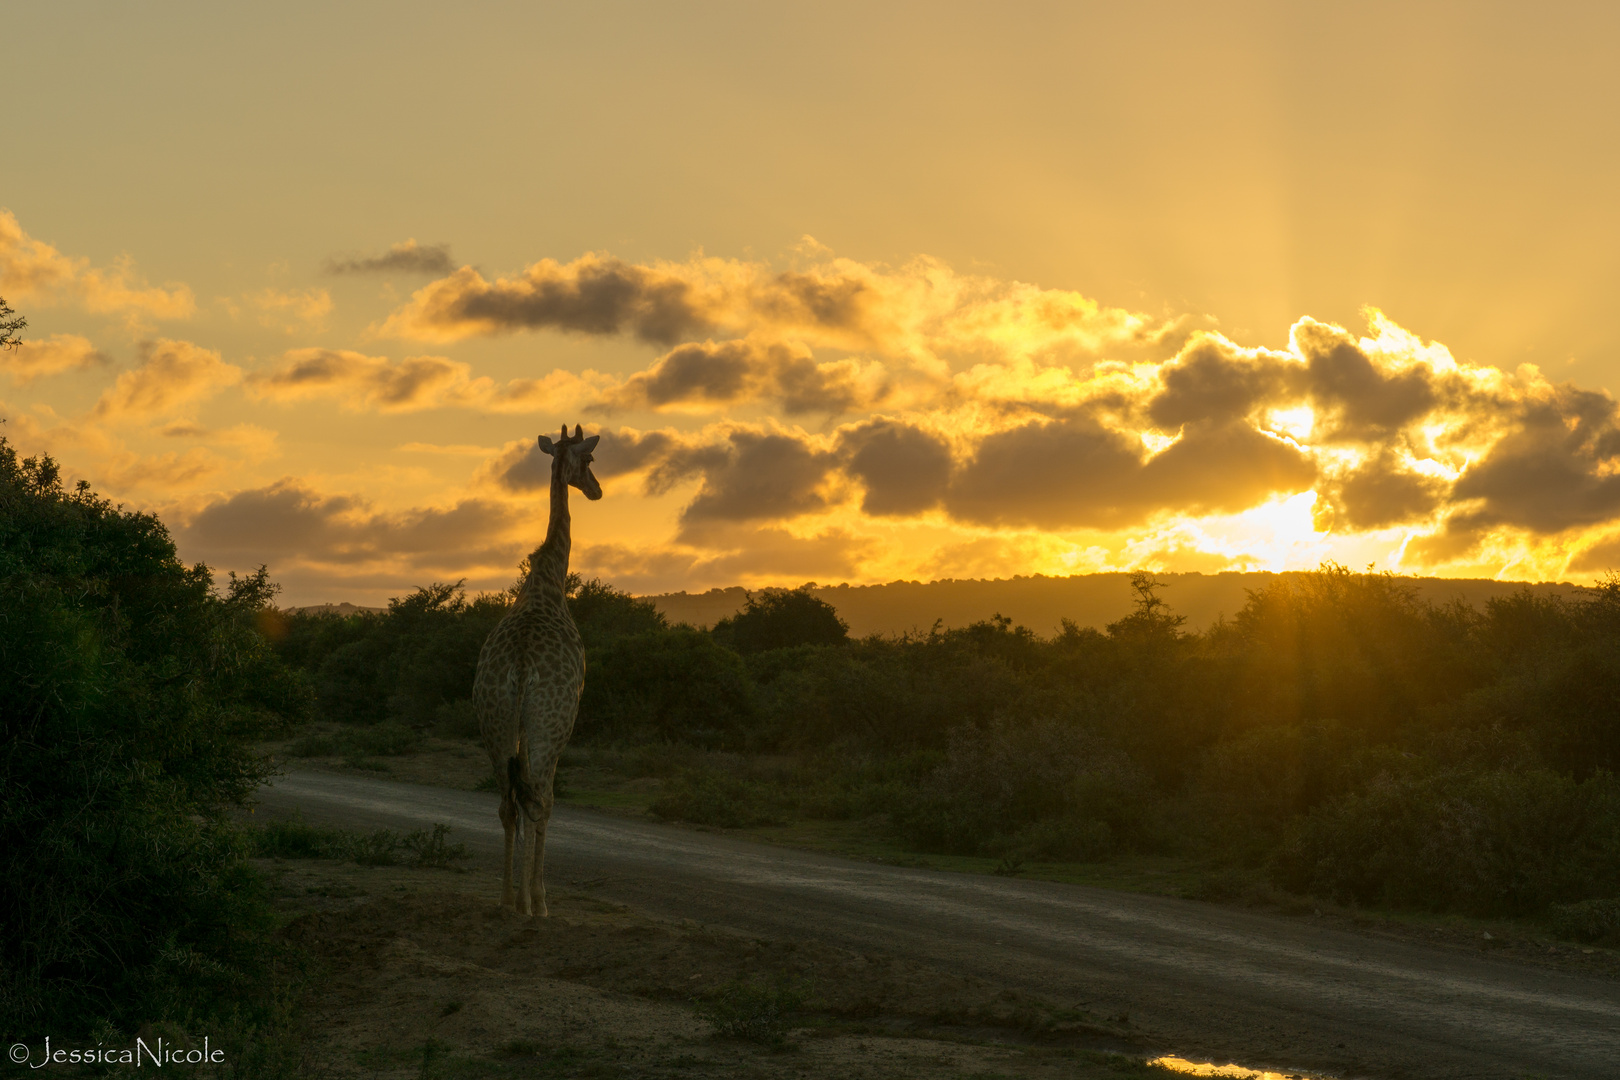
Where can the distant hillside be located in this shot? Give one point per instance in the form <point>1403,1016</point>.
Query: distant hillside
<point>1040,602</point>
<point>333,609</point>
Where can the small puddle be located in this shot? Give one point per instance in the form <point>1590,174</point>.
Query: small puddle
<point>1238,1072</point>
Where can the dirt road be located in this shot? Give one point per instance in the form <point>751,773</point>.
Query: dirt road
<point>1195,979</point>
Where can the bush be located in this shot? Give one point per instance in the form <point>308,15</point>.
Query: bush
<point>1482,841</point>
<point>782,619</point>
<point>353,744</point>
<point>1591,921</point>
<point>755,1013</point>
<point>1253,786</point>
<point>1047,783</point>
<point>293,838</point>
<point>713,798</point>
<point>678,685</point>
<point>456,720</point>
<point>130,691</point>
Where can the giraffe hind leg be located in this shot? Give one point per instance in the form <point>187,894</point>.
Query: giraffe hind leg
<point>537,828</point>
<point>510,815</point>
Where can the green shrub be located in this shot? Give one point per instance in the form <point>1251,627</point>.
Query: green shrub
<point>1064,839</point>
<point>313,745</point>
<point>293,838</point>
<point>1482,841</point>
<point>431,848</point>
<point>1591,921</point>
<point>781,619</point>
<point>677,685</point>
<point>754,1013</point>
<point>713,798</point>
<point>1252,787</point>
<point>386,739</point>
<point>130,693</point>
<point>456,720</point>
<point>998,784</point>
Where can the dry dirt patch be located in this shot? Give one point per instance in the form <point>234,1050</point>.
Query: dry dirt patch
<point>420,974</point>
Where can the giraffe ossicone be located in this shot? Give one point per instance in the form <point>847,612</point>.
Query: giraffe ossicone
<point>531,672</point>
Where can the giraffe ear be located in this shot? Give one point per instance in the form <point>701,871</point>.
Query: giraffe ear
<point>546,446</point>
<point>590,444</point>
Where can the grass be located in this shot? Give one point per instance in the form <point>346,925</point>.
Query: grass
<point>756,1014</point>
<point>293,838</point>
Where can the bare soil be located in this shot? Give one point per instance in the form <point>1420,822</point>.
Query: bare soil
<point>419,973</point>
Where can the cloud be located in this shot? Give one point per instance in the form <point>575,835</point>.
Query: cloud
<point>172,374</point>
<point>291,311</point>
<point>1383,491</point>
<point>749,475</point>
<point>593,295</point>
<point>918,311</point>
<point>50,356</point>
<point>289,521</point>
<point>359,382</point>
<point>705,375</point>
<point>904,469</point>
<point>1078,472</point>
<point>1214,380</point>
<point>34,270</point>
<point>1363,400</point>
<point>407,257</point>
<point>1602,557</point>
<point>1558,469</point>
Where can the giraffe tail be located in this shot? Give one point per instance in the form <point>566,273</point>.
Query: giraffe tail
<point>521,788</point>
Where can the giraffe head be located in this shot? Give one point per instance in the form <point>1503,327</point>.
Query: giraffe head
<point>571,457</point>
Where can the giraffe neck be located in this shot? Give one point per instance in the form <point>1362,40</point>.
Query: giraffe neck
<point>548,566</point>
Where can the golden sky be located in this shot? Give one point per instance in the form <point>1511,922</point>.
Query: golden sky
<point>854,292</point>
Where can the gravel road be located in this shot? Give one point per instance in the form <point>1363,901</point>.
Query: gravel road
<point>1195,979</point>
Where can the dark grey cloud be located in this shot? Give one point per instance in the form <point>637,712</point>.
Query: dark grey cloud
<point>1212,379</point>
<point>1361,401</point>
<point>1601,558</point>
<point>288,520</point>
<point>905,469</point>
<point>591,295</point>
<point>408,257</point>
<point>1379,493</point>
<point>726,372</point>
<point>833,303</point>
<point>1077,473</point>
<point>750,476</point>
<point>1559,468</point>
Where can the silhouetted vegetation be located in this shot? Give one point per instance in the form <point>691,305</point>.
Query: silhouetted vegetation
<point>1338,734</point>
<point>10,324</point>
<point>130,692</point>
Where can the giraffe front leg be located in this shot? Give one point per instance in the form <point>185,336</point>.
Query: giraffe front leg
<point>509,821</point>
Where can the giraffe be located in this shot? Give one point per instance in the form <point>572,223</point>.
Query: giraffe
<point>530,675</point>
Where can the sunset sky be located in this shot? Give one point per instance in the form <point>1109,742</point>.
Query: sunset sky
<point>853,292</point>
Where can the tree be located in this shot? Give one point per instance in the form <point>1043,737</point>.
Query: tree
<point>130,693</point>
<point>781,619</point>
<point>9,326</point>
